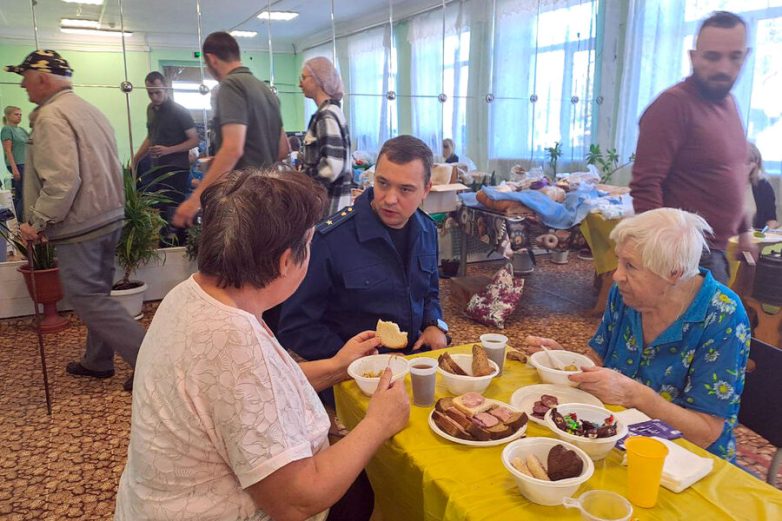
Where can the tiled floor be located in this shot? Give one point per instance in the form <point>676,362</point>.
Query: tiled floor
<point>67,466</point>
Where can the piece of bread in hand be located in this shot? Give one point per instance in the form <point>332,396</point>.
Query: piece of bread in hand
<point>448,364</point>
<point>390,336</point>
<point>480,362</point>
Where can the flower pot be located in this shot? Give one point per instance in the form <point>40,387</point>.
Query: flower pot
<point>559,257</point>
<point>48,292</point>
<point>132,299</point>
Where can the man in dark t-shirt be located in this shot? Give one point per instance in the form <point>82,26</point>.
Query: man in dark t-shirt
<point>171,133</point>
<point>248,123</point>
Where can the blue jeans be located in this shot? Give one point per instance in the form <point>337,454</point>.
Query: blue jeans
<point>716,262</point>
<point>18,192</point>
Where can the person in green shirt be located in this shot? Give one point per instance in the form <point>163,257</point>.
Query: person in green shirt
<point>14,140</point>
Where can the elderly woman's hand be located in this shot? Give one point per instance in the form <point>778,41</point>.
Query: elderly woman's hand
<point>534,343</point>
<point>609,386</point>
<point>363,344</point>
<point>389,407</point>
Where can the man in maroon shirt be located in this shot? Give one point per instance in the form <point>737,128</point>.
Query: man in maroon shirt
<point>692,150</point>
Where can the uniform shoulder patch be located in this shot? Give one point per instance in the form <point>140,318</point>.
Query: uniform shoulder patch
<point>333,221</point>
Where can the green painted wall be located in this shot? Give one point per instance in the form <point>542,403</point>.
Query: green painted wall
<point>97,75</point>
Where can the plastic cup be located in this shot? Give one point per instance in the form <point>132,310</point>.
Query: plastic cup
<point>601,505</point>
<point>423,373</point>
<point>645,459</point>
<point>494,344</point>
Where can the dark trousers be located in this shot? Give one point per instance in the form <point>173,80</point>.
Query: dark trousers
<point>717,263</point>
<point>176,189</point>
<point>356,504</point>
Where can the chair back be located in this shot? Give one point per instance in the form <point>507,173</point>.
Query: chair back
<point>761,401</point>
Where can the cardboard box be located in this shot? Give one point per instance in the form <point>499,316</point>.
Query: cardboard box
<point>443,198</point>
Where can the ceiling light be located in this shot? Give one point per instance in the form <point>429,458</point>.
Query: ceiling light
<point>283,16</point>
<point>90,2</point>
<point>93,32</point>
<point>244,34</point>
<point>73,22</point>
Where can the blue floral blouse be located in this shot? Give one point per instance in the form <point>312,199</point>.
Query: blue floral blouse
<point>697,363</point>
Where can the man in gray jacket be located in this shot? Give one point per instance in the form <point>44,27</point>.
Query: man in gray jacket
<point>74,198</point>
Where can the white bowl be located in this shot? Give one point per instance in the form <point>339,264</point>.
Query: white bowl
<point>549,493</point>
<point>597,448</point>
<point>376,363</point>
<point>459,384</point>
<point>549,375</point>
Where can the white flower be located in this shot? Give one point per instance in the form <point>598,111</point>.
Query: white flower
<point>712,355</point>
<point>669,392</point>
<point>723,302</point>
<point>687,358</point>
<point>742,332</point>
<point>723,390</point>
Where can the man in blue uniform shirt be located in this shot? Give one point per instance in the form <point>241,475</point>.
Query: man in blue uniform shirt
<point>374,260</point>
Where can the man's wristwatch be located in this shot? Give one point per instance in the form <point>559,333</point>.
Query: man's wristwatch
<point>439,324</point>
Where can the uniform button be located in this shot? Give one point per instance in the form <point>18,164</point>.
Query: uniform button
<point>366,283</point>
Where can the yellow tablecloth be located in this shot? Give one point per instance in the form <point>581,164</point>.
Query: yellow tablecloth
<point>419,476</point>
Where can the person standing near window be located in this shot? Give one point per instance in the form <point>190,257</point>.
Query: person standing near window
<point>762,192</point>
<point>325,152</point>
<point>692,151</point>
<point>14,140</point>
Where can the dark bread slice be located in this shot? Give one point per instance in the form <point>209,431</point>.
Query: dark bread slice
<point>450,427</point>
<point>459,417</point>
<point>443,404</point>
<point>447,364</point>
<point>480,362</point>
<point>478,432</point>
<point>517,420</point>
<point>500,431</point>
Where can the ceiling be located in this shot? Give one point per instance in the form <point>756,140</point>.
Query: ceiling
<point>173,23</point>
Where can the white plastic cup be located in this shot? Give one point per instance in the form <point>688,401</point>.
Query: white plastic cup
<point>494,344</point>
<point>423,373</point>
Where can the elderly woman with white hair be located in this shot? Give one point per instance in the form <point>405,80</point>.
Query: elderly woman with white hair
<point>325,151</point>
<point>673,342</point>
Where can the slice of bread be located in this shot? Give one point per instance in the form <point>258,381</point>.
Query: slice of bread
<point>390,336</point>
<point>450,427</point>
<point>472,403</point>
<point>480,362</point>
<point>448,364</point>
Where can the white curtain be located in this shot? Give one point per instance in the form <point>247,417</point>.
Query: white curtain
<point>659,35</point>
<point>544,51</point>
<point>431,119</point>
<point>372,117</point>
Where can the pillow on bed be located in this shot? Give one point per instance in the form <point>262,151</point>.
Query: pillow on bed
<point>495,303</point>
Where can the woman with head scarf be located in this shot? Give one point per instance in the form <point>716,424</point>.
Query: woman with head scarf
<point>325,152</point>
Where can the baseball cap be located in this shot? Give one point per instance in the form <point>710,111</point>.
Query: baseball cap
<point>44,60</point>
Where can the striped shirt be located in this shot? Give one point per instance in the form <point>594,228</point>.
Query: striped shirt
<point>325,154</point>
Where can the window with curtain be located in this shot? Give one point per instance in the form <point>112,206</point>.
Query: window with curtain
<point>372,117</point>
<point>544,50</point>
<point>440,64</point>
<point>667,28</point>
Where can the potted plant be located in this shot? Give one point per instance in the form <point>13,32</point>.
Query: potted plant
<point>48,290</point>
<point>138,244</point>
<point>608,163</point>
<point>553,154</point>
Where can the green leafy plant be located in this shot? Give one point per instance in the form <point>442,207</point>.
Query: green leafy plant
<point>607,162</point>
<point>43,254</point>
<point>138,244</point>
<point>553,154</point>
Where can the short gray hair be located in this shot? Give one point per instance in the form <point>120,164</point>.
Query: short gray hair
<point>668,240</point>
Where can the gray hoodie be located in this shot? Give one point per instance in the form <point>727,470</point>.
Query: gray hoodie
<point>73,178</point>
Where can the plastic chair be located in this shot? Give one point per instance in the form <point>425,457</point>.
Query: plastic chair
<point>761,409</point>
